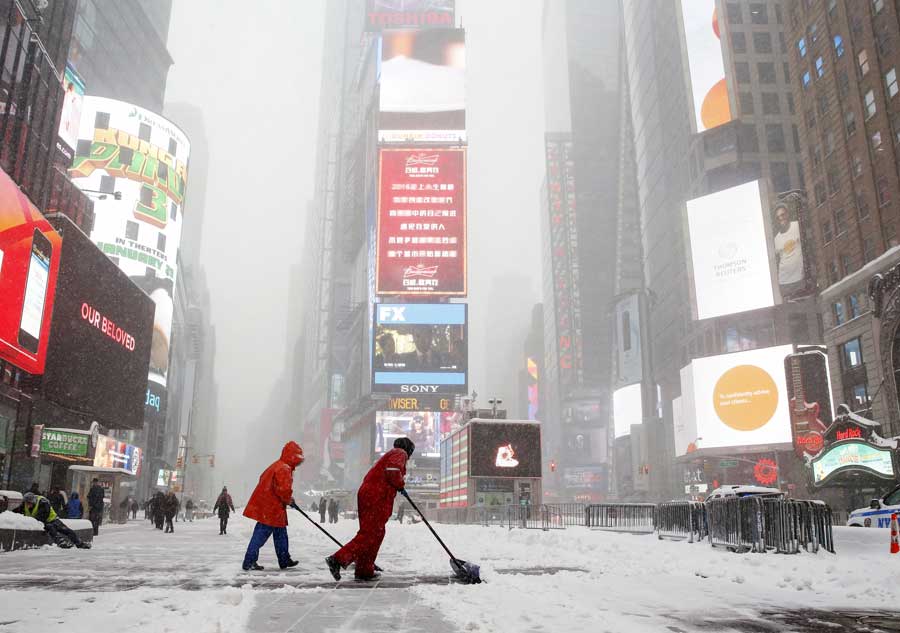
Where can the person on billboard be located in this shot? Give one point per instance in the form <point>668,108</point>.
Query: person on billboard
<point>38,507</point>
<point>267,506</point>
<point>426,357</point>
<point>387,357</point>
<point>375,501</point>
<point>788,253</point>
<point>224,507</point>
<point>95,505</point>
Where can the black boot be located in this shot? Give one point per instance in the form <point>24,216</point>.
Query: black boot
<point>334,567</point>
<point>254,567</point>
<point>290,563</point>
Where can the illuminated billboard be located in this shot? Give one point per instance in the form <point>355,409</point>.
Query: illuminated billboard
<point>420,348</point>
<point>740,399</point>
<point>732,267</point>
<point>112,453</point>
<point>707,83</point>
<point>809,390</point>
<point>792,270</point>
<point>683,419</point>
<point>421,232</point>
<point>504,449</point>
<point>417,14</point>
<point>853,455</point>
<point>70,119</point>
<point>423,86</point>
<point>424,428</point>
<point>139,160</point>
<point>628,409</point>
<point>29,264</point>
<point>101,335</point>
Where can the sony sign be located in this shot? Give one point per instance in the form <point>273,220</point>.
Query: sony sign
<point>419,388</point>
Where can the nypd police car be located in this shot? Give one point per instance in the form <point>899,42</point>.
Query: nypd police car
<point>879,512</point>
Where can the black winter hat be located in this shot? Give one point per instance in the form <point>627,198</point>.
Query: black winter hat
<point>406,444</point>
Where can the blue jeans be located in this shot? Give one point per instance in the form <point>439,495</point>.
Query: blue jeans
<point>261,534</point>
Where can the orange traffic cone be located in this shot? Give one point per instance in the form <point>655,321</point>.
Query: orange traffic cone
<point>895,540</point>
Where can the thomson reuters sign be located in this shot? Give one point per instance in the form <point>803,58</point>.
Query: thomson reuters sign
<point>745,397</point>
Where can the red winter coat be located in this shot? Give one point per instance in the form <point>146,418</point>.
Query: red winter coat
<point>275,489</point>
<point>380,486</point>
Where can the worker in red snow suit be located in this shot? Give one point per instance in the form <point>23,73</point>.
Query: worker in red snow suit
<point>375,501</point>
<point>267,505</point>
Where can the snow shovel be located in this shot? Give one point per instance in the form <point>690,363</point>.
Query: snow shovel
<point>468,573</point>
<point>324,531</point>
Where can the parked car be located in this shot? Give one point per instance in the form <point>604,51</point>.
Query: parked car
<point>879,512</point>
<point>743,490</point>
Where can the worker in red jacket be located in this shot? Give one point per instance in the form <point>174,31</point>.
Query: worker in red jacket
<point>375,501</point>
<point>267,505</point>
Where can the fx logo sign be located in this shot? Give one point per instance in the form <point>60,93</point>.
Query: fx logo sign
<point>392,314</point>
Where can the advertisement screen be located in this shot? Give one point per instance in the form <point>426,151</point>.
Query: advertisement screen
<point>422,222</point>
<point>730,252</point>
<point>112,453</point>
<point>101,335</point>
<point>418,14</point>
<point>791,267</point>
<point>423,86</point>
<point>420,348</point>
<point>628,409</point>
<point>809,391</point>
<point>29,263</point>
<point>740,399</point>
<point>628,340</point>
<point>424,428</point>
<point>140,160</point>
<point>707,69</point>
<point>73,101</point>
<point>588,477</point>
<point>505,449</point>
<point>853,455</point>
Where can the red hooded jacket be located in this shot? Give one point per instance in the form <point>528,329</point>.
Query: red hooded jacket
<point>275,489</point>
<point>380,486</point>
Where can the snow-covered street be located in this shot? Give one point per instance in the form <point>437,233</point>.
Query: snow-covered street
<point>137,578</point>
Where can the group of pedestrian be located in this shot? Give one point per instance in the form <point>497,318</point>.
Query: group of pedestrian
<point>51,508</point>
<point>329,507</point>
<point>162,509</point>
<point>375,500</point>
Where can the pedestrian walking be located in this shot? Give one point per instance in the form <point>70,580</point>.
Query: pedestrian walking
<point>73,508</point>
<point>268,507</point>
<point>134,509</point>
<point>332,510</point>
<point>95,505</point>
<point>159,512</point>
<point>170,508</point>
<point>189,511</point>
<point>323,506</point>
<point>375,500</point>
<point>123,510</point>
<point>224,506</point>
<point>40,508</point>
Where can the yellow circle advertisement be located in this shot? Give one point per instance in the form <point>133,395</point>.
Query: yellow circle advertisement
<point>745,397</point>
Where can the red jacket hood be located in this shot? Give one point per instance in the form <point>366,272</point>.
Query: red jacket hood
<point>292,454</point>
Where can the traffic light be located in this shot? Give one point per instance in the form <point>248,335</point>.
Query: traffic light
<point>552,466</point>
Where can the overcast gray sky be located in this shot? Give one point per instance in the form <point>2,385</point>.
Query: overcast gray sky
<point>255,70</point>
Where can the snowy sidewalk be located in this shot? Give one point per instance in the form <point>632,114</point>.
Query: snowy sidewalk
<point>574,580</point>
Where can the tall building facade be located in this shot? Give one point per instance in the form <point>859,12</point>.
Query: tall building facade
<point>844,58</point>
<point>581,73</point>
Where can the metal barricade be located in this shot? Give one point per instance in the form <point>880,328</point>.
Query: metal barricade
<point>760,524</point>
<point>636,518</point>
<point>565,514</point>
<point>681,520</point>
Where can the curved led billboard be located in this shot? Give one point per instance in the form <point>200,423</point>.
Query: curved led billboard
<point>853,455</point>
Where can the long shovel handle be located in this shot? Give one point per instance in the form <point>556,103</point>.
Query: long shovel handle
<point>324,531</point>
<point>416,508</point>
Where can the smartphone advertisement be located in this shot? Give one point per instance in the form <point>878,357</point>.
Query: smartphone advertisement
<point>29,263</point>
<point>101,336</point>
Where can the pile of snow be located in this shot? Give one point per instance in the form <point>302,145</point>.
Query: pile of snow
<point>78,524</point>
<point>16,521</point>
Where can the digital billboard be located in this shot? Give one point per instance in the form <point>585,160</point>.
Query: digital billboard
<point>504,449</point>
<point>139,159</point>
<point>706,66</point>
<point>422,427</point>
<point>29,263</point>
<point>586,477</point>
<point>628,340</point>
<point>101,336</point>
<point>809,390</point>
<point>421,232</point>
<point>741,399</point>
<point>113,453</point>
<point>732,266</point>
<point>418,14</point>
<point>70,119</point>
<point>420,348</point>
<point>792,270</point>
<point>423,86</point>
<point>853,455</point>
<point>628,409</point>
<point>683,419</point>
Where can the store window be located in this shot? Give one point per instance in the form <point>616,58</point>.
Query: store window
<point>890,80</point>
<point>837,309</point>
<point>853,310</point>
<point>863,61</point>
<point>839,45</point>
<point>870,104</point>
